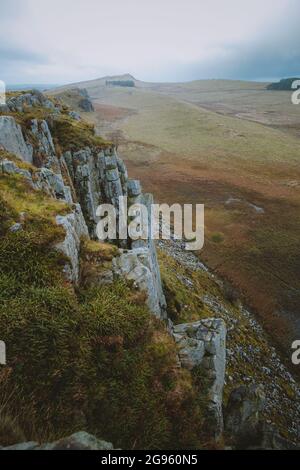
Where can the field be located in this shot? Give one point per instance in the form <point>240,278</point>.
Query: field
<point>235,147</point>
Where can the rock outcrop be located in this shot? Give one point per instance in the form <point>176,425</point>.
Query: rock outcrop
<point>243,414</point>
<point>12,139</point>
<point>245,423</point>
<point>31,99</point>
<point>85,103</point>
<point>75,228</point>
<point>85,179</point>
<point>203,344</point>
<point>78,441</point>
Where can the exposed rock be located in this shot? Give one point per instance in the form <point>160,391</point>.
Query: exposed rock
<point>8,167</point>
<point>43,179</point>
<point>16,228</point>
<point>12,139</point>
<point>245,423</point>
<point>140,264</point>
<point>136,265</point>
<point>45,147</point>
<point>134,188</point>
<point>53,184</point>
<point>75,228</point>
<point>30,99</point>
<point>91,179</point>
<point>31,445</point>
<point>203,343</point>
<point>75,115</point>
<point>86,183</point>
<point>86,105</point>
<point>243,415</point>
<point>78,441</point>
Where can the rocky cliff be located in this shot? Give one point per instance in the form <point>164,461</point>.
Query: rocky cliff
<point>54,152</point>
<point>84,178</point>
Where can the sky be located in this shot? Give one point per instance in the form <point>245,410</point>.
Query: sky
<point>65,41</point>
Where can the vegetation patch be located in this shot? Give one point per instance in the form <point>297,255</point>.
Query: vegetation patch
<point>75,135</point>
<point>91,359</point>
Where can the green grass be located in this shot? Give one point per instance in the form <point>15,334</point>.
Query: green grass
<point>91,359</point>
<point>75,135</point>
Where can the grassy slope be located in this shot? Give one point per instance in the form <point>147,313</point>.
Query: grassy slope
<point>90,358</point>
<point>183,152</point>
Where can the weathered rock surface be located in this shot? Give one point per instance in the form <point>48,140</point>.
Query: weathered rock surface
<point>91,179</point>
<point>243,414</point>
<point>86,105</point>
<point>75,228</point>
<point>44,150</point>
<point>75,115</point>
<point>30,99</point>
<point>203,343</point>
<point>12,139</point>
<point>245,422</point>
<point>8,167</point>
<point>78,441</point>
<point>136,265</point>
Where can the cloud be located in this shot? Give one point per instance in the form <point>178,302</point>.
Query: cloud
<point>10,54</point>
<point>274,53</point>
<point>66,41</point>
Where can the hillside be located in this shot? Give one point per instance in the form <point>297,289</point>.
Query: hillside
<point>233,146</point>
<point>144,347</point>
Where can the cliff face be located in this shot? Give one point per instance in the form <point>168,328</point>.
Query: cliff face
<point>49,148</point>
<point>84,178</point>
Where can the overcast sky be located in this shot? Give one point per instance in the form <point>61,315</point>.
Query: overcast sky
<point>61,41</point>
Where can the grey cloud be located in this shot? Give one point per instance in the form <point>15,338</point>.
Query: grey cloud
<point>274,54</point>
<point>10,54</point>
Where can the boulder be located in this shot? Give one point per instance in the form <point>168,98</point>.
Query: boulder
<point>30,445</point>
<point>78,441</point>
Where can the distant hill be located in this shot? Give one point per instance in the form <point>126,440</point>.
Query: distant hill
<point>284,84</point>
